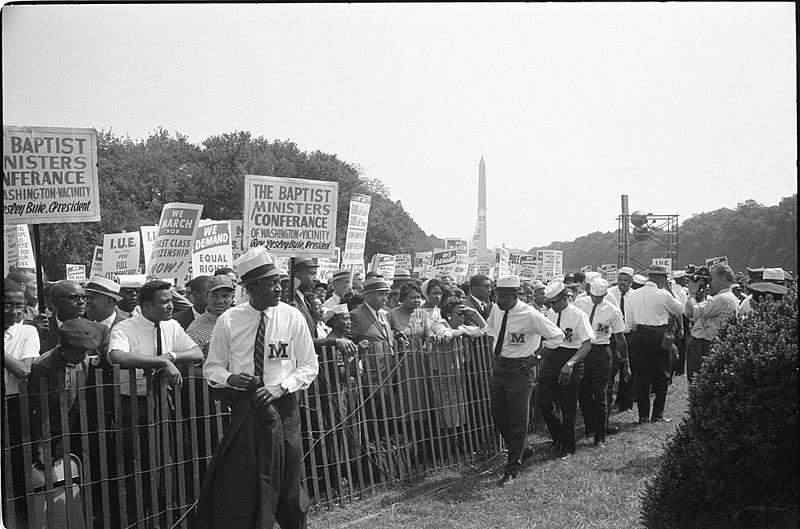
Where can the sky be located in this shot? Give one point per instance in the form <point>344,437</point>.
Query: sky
<point>684,107</point>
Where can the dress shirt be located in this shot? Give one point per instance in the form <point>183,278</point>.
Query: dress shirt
<point>680,292</point>
<point>651,305</point>
<point>525,328</point>
<point>20,342</point>
<point>575,326</point>
<point>201,330</point>
<point>138,335</point>
<point>607,319</point>
<point>709,314</point>
<point>233,342</point>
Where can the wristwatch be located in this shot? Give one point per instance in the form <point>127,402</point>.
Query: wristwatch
<point>284,387</point>
<point>172,356</point>
<point>570,364</point>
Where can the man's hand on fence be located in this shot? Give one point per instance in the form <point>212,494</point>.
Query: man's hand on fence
<point>171,374</point>
<point>346,346</point>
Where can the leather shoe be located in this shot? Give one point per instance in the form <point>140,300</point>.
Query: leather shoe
<point>506,479</point>
<point>660,419</point>
<point>611,430</point>
<point>526,455</point>
<point>643,420</point>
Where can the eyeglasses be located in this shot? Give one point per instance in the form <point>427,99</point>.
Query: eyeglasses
<point>74,297</point>
<point>15,306</point>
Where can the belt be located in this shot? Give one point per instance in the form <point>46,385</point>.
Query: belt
<point>653,327</point>
<point>507,359</point>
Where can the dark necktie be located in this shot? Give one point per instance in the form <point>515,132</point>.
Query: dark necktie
<point>622,306</point>
<point>498,347</point>
<point>558,322</point>
<point>258,352</point>
<point>159,345</point>
<point>591,316</point>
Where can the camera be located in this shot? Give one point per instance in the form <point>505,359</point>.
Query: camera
<point>698,274</point>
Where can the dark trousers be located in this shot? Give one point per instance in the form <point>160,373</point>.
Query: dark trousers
<point>510,394</point>
<point>612,377</point>
<point>15,459</point>
<point>652,370</point>
<point>625,391</point>
<point>551,394</point>
<point>134,458</point>
<point>266,438</point>
<point>592,390</point>
<point>683,345</point>
<point>697,350</point>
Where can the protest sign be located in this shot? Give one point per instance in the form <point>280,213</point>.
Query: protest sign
<point>211,248</point>
<point>149,234</point>
<point>50,175</point>
<point>444,262</point>
<point>502,258</point>
<point>328,266</point>
<point>76,272</point>
<point>403,260</point>
<point>18,250</point>
<point>666,262</point>
<point>290,216</point>
<point>121,253</point>
<point>237,244</point>
<point>97,262</point>
<point>609,272</point>
<point>716,260</point>
<point>383,264</point>
<point>551,263</point>
<point>485,264</point>
<point>528,267</point>
<point>172,252</point>
<point>478,242</point>
<point>353,254</point>
<point>587,268</point>
<point>422,264</point>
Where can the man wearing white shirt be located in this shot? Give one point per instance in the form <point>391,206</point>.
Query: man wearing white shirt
<point>619,295</point>
<point>261,354</point>
<point>650,309</point>
<point>517,329</point>
<point>562,368</point>
<point>341,284</point>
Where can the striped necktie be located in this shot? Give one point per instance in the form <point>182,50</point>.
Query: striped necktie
<point>258,351</point>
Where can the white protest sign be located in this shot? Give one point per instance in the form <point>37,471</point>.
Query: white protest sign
<point>444,262</point>
<point>290,216</point>
<point>18,250</point>
<point>327,267</point>
<point>478,241</point>
<point>528,267</point>
<point>384,265</point>
<point>716,260</point>
<point>50,175</point>
<point>551,263</point>
<point>237,244</point>
<point>211,248</point>
<point>403,260</point>
<point>76,272</point>
<point>357,221</point>
<point>97,262</point>
<point>149,234</point>
<point>121,253</point>
<point>422,264</point>
<point>666,262</point>
<point>609,272</point>
<point>172,252</point>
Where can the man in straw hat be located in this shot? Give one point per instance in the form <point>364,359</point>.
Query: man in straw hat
<point>102,296</point>
<point>562,368</point>
<point>260,356</point>
<point>518,330</point>
<point>707,314</point>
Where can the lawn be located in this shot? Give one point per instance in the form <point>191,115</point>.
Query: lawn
<point>596,488</point>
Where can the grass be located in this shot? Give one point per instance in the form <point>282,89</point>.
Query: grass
<point>596,488</point>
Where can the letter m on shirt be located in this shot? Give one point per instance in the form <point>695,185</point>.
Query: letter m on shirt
<point>517,338</point>
<point>279,350</point>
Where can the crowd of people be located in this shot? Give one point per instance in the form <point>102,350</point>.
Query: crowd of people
<point>579,341</point>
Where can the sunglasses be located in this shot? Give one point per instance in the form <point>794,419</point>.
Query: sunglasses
<point>74,297</point>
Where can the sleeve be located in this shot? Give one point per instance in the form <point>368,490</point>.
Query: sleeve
<point>215,368</point>
<point>30,343</point>
<point>307,363</point>
<point>710,308</point>
<point>584,331</point>
<point>119,339</point>
<point>549,331</point>
<point>617,323</point>
<point>674,304</point>
<point>490,330</point>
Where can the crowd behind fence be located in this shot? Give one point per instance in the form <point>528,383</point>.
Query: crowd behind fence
<point>384,417</point>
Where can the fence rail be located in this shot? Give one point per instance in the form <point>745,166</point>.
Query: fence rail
<point>92,456</point>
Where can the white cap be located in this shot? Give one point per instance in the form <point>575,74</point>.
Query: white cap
<point>132,281</point>
<point>553,289</point>
<point>774,274</point>
<point>255,264</point>
<point>598,287</point>
<point>626,270</point>
<point>333,311</point>
<point>639,279</point>
<point>537,285</point>
<point>591,276</point>
<point>510,282</point>
<point>677,274</point>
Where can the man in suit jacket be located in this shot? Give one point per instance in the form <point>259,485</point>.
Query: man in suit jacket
<point>198,285</point>
<point>69,302</point>
<point>370,329</point>
<point>480,287</point>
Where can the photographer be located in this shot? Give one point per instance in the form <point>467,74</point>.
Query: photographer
<point>707,314</point>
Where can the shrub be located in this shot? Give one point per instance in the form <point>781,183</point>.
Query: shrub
<point>733,462</point>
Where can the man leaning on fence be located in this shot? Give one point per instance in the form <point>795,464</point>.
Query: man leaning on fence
<point>261,354</point>
<point>517,329</point>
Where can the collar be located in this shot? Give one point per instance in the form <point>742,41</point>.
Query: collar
<point>650,284</point>
<point>59,323</point>
<point>724,290</point>
<point>108,321</point>
<point>481,303</point>
<point>255,312</point>
<point>373,311</point>
<point>196,314</point>
<point>143,321</point>
<point>13,330</point>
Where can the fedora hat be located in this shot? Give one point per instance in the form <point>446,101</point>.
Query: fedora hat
<point>255,264</point>
<point>102,285</point>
